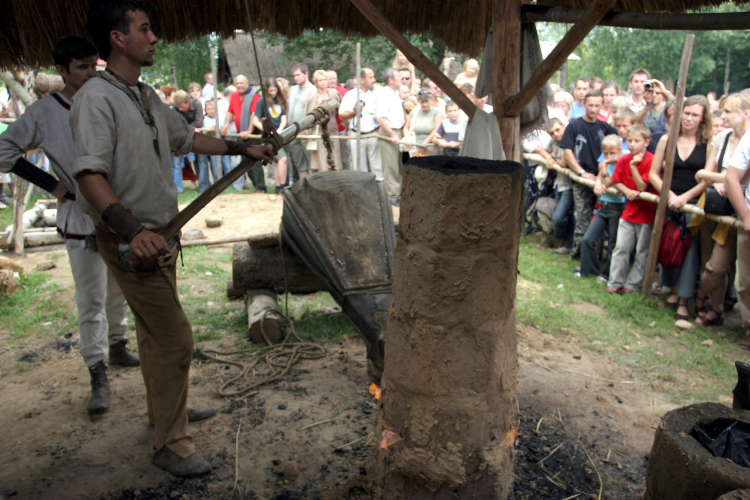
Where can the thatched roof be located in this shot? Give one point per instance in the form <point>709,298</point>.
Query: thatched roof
<point>29,34</point>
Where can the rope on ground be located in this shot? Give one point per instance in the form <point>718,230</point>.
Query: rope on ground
<point>279,358</point>
<point>650,197</point>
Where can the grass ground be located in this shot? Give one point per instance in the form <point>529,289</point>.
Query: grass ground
<point>692,365</point>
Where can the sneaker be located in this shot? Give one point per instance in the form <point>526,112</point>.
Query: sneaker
<point>562,251</point>
<point>577,274</point>
<point>601,279</point>
<point>5,199</point>
<point>613,290</point>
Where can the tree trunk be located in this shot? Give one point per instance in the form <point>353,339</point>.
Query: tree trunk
<point>261,268</point>
<point>449,384</point>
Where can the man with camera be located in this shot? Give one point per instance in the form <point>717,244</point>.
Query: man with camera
<point>655,96</point>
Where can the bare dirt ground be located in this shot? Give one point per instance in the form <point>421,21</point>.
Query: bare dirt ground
<point>264,446</point>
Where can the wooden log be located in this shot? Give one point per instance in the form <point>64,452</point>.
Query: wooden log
<point>674,131</point>
<point>449,384</point>
<point>588,21</point>
<point>262,268</point>
<point>642,20</point>
<point>260,321</point>
<point>232,292</point>
<point>416,57</point>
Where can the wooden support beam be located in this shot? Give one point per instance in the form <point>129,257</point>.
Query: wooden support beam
<point>674,131</point>
<point>591,17</point>
<point>415,56</point>
<point>506,72</point>
<point>642,20</point>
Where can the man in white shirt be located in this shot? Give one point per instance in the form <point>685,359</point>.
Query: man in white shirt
<point>390,117</point>
<point>102,308</point>
<point>208,89</point>
<point>635,98</point>
<point>369,148</point>
<point>296,151</point>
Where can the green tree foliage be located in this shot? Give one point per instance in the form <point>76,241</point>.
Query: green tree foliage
<point>191,60</point>
<point>612,53</point>
<point>336,50</point>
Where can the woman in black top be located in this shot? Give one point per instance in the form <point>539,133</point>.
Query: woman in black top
<point>690,156</point>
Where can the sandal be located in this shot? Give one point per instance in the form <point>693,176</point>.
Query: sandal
<point>712,317</point>
<point>700,306</point>
<point>672,305</point>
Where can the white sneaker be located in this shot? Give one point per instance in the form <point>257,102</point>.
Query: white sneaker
<point>601,279</point>
<point>3,206</point>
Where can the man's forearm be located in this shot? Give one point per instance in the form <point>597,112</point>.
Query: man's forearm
<point>570,158</point>
<point>95,188</point>
<point>384,125</point>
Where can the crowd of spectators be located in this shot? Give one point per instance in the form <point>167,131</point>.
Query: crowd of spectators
<point>619,140</point>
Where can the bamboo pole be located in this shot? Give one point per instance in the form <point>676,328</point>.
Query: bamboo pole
<point>358,107</point>
<point>674,131</point>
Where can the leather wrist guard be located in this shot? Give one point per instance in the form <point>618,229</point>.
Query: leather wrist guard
<point>122,222</point>
<point>37,176</point>
<point>235,148</point>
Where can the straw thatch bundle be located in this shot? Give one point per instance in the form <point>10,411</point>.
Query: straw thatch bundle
<point>28,35</point>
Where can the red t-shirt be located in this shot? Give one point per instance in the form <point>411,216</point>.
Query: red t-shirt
<point>636,211</point>
<point>235,107</point>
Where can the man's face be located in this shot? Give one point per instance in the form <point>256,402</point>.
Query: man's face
<point>241,83</point>
<point>636,83</point>
<point>622,127</point>
<point>452,112</point>
<point>195,93</point>
<point>300,78</point>
<point>140,43</point>
<point>593,106</point>
<point>184,106</point>
<point>406,78</point>
<point>403,92</point>
<point>368,80</point>
<point>395,82</point>
<point>333,79</point>
<point>609,95</point>
<point>557,132</point>
<point>580,91</point>
<point>79,70</point>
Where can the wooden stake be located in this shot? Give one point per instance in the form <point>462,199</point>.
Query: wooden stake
<point>358,108</point>
<point>588,21</point>
<point>416,57</point>
<point>506,72</point>
<point>674,130</point>
<point>18,207</point>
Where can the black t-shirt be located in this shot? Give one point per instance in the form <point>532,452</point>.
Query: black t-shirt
<point>585,140</point>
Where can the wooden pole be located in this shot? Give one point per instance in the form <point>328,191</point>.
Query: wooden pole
<point>674,130</point>
<point>559,55</point>
<point>358,107</point>
<point>18,207</point>
<point>416,57</point>
<point>726,71</point>
<point>642,20</point>
<point>506,72</point>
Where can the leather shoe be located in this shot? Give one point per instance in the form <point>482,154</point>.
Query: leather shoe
<point>199,412</point>
<point>194,465</point>
<point>99,400</point>
<point>119,354</point>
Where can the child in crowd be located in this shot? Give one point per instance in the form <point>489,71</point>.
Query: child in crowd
<point>608,215</point>
<point>631,178</point>
<point>563,217</point>
<point>624,119</point>
<point>209,127</point>
<point>450,133</point>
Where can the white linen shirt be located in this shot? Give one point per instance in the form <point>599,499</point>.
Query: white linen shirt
<point>369,110</point>
<point>112,139</point>
<point>390,107</point>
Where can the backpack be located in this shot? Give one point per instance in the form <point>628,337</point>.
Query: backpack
<point>539,214</point>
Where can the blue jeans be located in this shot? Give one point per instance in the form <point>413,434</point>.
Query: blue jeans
<point>177,163</point>
<point>563,217</point>
<point>203,180</point>
<point>607,218</point>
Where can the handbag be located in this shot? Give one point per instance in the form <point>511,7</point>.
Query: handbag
<point>674,246</point>
<point>716,203</point>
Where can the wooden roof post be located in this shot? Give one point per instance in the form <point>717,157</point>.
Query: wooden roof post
<point>506,71</point>
<point>674,131</point>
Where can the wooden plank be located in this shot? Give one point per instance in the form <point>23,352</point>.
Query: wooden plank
<point>674,130</point>
<point>415,56</point>
<point>642,20</point>
<point>591,17</point>
<point>506,72</point>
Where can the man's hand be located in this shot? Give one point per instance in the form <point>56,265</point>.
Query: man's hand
<point>262,152</point>
<point>244,134</point>
<point>395,139</point>
<point>148,245</point>
<point>60,191</point>
<point>648,96</point>
<point>224,129</point>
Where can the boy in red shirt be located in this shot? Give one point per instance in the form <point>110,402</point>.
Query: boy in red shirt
<point>636,222</point>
